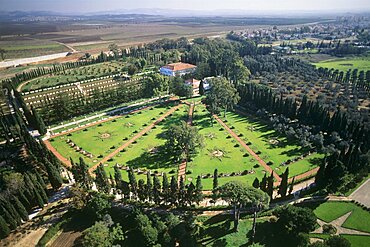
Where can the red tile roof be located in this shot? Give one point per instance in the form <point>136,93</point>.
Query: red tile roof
<point>179,66</point>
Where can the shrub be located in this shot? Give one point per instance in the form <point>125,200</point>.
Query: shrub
<point>99,125</point>
<point>114,120</point>
<point>69,134</point>
<point>127,116</point>
<point>84,129</point>
<point>228,137</point>
<point>270,163</point>
<point>246,155</point>
<point>240,135</point>
<point>112,147</point>
<point>258,152</point>
<point>221,129</point>
<point>100,156</point>
<point>256,166</point>
<point>111,159</point>
<point>249,143</point>
<point>189,172</point>
<point>172,171</point>
<point>236,145</point>
<point>328,228</point>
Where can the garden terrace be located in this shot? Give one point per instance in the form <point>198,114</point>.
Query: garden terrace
<point>221,151</point>
<point>74,75</point>
<point>276,150</point>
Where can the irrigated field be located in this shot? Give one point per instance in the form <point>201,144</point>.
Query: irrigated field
<point>135,142</point>
<point>344,64</point>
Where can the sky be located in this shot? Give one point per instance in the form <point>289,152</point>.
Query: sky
<point>80,6</point>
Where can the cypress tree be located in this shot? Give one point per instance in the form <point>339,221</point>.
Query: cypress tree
<point>118,177</point>
<point>83,174</point>
<point>181,196</point>
<point>291,186</point>
<point>215,179</point>
<point>101,179</point>
<point>284,183</point>
<point>156,190</point>
<point>190,193</point>
<point>132,181</point>
<point>263,184</point>
<point>141,189</point>
<point>8,217</point>
<point>165,188</point>
<point>256,183</point>
<point>149,186</point>
<point>201,88</point>
<point>20,208</point>
<point>54,175</point>
<point>174,190</point>
<point>4,229</point>
<point>198,190</point>
<point>39,123</point>
<point>270,185</point>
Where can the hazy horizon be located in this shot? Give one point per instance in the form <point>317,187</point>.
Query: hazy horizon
<point>268,6</point>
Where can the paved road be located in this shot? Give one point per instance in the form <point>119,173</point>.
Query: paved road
<point>362,194</point>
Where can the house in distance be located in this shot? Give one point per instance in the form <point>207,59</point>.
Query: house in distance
<point>177,69</point>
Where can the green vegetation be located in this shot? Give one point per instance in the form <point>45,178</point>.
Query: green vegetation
<point>346,63</point>
<point>76,74</point>
<point>330,211</point>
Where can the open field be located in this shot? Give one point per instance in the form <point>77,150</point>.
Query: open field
<point>30,48</point>
<point>344,64</point>
<point>358,220</point>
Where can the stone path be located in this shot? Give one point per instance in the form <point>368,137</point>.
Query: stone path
<point>182,166</point>
<point>236,137</point>
<point>362,194</point>
<point>65,161</point>
<point>137,136</point>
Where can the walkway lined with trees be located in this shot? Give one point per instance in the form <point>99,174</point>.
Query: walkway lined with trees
<point>182,166</point>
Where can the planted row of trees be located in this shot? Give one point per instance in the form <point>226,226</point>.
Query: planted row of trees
<point>349,154</point>
<point>29,168</point>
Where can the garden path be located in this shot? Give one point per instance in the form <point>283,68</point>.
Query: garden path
<point>137,136</point>
<point>259,160</point>
<point>182,166</point>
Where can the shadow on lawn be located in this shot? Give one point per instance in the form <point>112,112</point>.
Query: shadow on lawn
<point>160,159</point>
<point>218,227</point>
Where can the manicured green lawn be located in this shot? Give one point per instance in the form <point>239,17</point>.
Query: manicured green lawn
<point>104,139</point>
<point>344,64</point>
<point>148,152</point>
<point>221,151</point>
<point>273,147</point>
<point>358,220</point>
<point>357,240</point>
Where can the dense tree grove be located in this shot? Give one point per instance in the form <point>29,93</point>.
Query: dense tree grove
<point>30,167</point>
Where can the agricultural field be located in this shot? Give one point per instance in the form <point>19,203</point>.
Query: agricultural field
<point>22,47</point>
<point>74,75</point>
<point>147,152</point>
<point>347,63</point>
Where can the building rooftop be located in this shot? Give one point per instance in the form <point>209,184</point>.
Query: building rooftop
<point>179,66</point>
